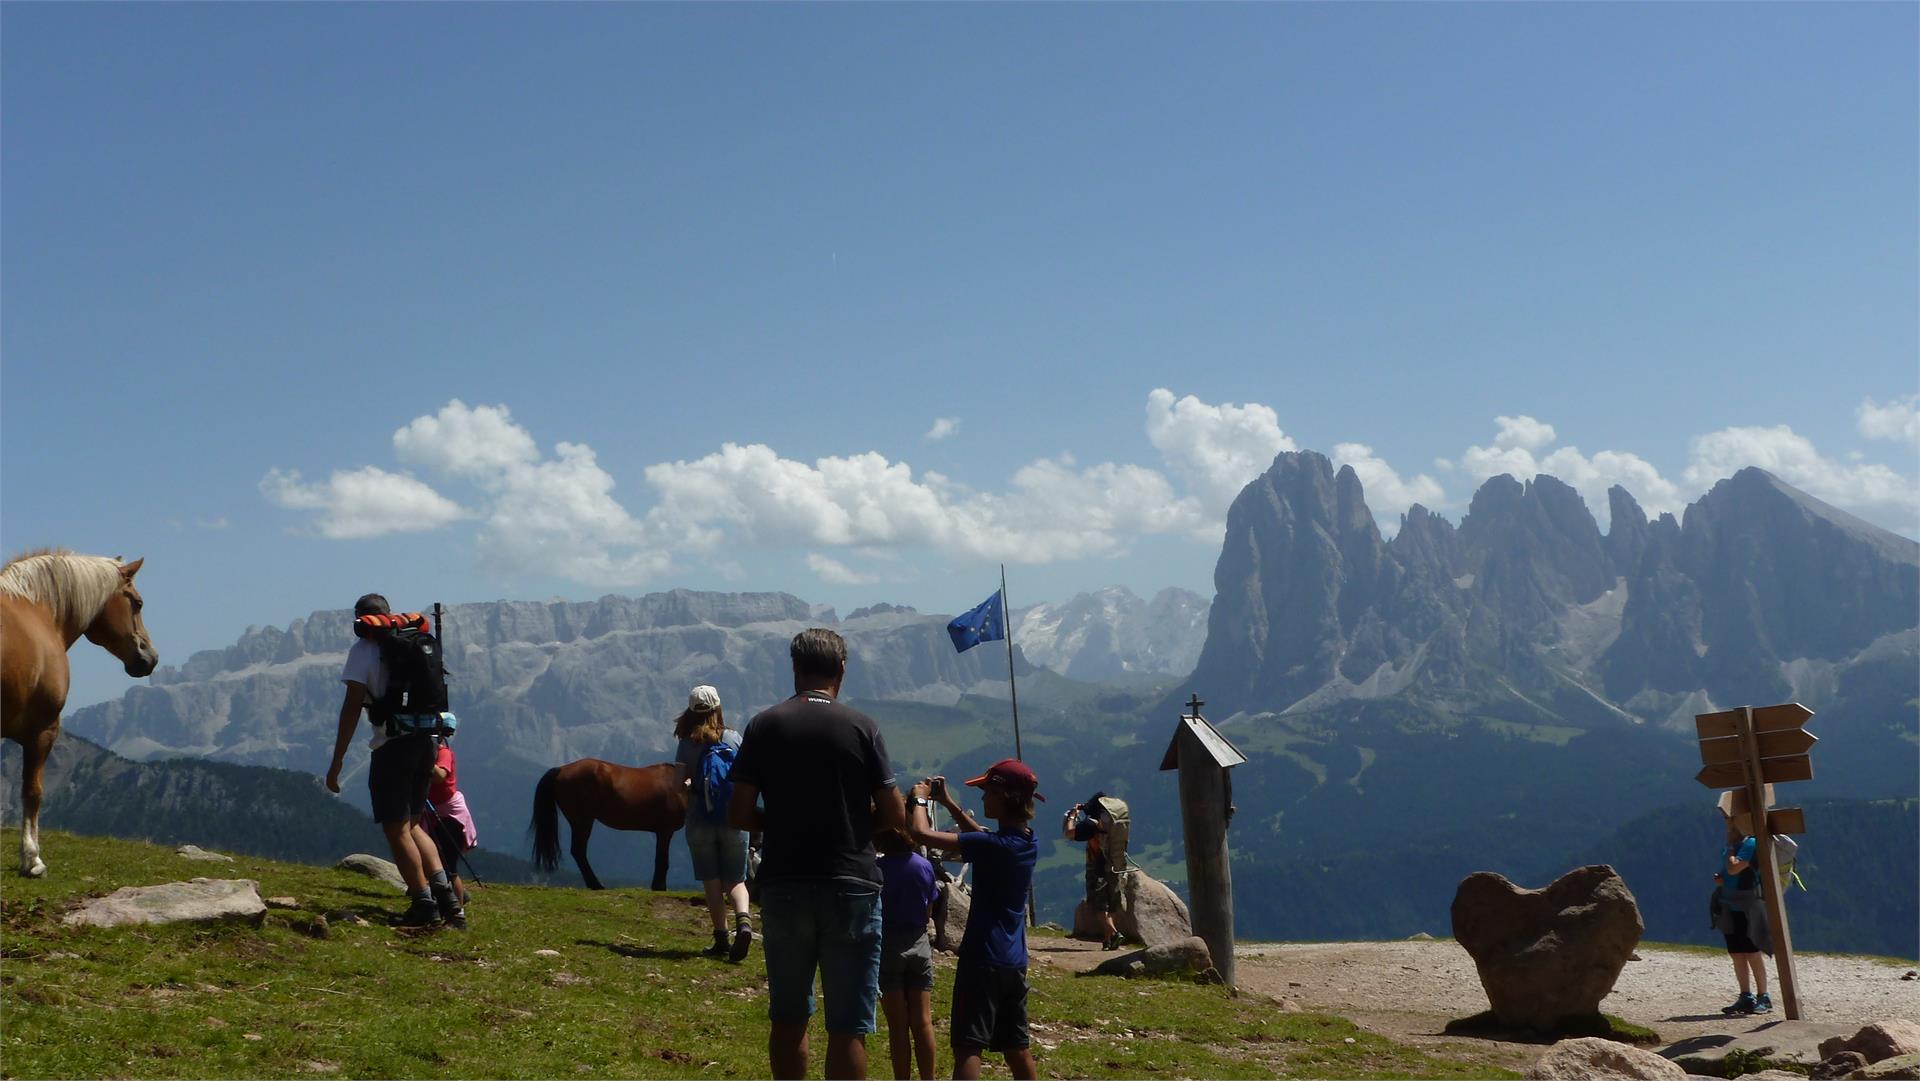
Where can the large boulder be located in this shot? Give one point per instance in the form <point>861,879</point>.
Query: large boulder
<point>374,867</point>
<point>1590,1058</point>
<point>203,900</point>
<point>1547,955</point>
<point>1187,955</point>
<point>195,852</point>
<point>1150,912</point>
<point>1794,1045</point>
<point>1880,1040</point>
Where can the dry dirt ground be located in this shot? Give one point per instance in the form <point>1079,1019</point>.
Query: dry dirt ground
<point>1408,990</point>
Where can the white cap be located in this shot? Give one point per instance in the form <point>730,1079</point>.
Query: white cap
<point>704,699</point>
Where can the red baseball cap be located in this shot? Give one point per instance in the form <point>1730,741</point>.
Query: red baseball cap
<point>1011,773</point>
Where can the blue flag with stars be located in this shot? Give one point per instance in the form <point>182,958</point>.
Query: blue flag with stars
<point>985,623</point>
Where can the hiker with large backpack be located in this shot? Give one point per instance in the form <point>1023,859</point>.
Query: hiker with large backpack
<point>1740,915</point>
<point>706,753</point>
<point>1102,824</point>
<point>394,672</point>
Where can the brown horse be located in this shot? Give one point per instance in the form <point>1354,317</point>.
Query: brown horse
<point>48,600</point>
<point>651,798</point>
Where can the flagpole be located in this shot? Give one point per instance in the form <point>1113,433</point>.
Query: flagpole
<point>1006,616</point>
<point>1006,624</point>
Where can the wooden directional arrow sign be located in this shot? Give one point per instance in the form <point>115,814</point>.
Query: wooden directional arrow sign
<point>1781,718</point>
<point>1719,752</point>
<point>1772,770</point>
<point>1787,820</point>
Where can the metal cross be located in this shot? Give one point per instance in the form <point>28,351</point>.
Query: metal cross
<point>1194,703</point>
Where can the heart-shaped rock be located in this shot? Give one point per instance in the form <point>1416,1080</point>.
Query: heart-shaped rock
<point>1546,955</point>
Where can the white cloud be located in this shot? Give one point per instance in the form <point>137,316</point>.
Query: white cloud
<point>481,444</point>
<point>834,572</point>
<point>365,502</point>
<point>1897,420</point>
<point>1051,511</point>
<point>942,428</point>
<point>1524,432</point>
<point>1215,449</point>
<point>1388,494</point>
<point>1792,457</point>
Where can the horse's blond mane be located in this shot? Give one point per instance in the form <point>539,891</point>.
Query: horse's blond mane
<point>74,586</point>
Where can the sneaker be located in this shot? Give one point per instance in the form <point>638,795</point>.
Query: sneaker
<point>1112,942</point>
<point>742,942</point>
<point>1745,1004</point>
<point>421,913</point>
<point>1763,1003</point>
<point>451,912</point>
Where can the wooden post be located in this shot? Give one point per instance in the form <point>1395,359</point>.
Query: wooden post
<point>1770,888</point>
<point>1203,814</point>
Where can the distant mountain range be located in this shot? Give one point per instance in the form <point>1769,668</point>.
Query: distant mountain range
<point>1497,695</point>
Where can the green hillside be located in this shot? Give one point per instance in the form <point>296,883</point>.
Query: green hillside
<point>624,995</point>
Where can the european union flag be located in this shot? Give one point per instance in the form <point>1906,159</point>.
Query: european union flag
<point>985,623</point>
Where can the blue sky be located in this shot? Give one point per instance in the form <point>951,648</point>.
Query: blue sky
<point>465,302</point>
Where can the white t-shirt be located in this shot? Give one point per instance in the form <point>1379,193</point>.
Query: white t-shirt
<point>365,668</point>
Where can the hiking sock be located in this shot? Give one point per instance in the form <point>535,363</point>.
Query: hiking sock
<point>447,903</point>
<point>742,938</point>
<point>438,881</point>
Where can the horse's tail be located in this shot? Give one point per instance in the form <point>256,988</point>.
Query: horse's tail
<point>546,824</point>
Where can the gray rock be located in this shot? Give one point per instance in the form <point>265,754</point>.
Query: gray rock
<point>1150,912</point>
<point>374,867</point>
<point>959,901</point>
<point>1545,955</point>
<point>1780,1043</point>
<point>1590,1058</point>
<point>195,852</point>
<point>202,900</point>
<point>1898,1068</point>
<point>1187,955</point>
<point>1420,936</point>
<point>1880,1040</point>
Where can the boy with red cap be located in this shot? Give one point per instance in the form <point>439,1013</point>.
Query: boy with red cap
<point>990,980</point>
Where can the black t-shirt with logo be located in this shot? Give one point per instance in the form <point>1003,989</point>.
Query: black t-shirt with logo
<point>818,765</point>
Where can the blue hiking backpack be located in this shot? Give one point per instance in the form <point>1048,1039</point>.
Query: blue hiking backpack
<point>716,787</point>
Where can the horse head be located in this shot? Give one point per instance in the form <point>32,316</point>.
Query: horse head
<point>119,628</point>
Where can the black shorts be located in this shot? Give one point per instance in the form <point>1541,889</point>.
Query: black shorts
<point>1103,889</point>
<point>398,777</point>
<point>1737,939</point>
<point>989,1006</point>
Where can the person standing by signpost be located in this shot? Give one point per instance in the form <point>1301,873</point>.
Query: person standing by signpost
<point>1742,920</point>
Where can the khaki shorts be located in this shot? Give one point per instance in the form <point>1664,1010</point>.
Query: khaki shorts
<point>1103,889</point>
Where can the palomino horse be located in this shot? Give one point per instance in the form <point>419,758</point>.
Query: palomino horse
<point>651,798</point>
<point>48,599</point>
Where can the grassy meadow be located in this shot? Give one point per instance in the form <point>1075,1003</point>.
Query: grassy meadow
<point>625,993</point>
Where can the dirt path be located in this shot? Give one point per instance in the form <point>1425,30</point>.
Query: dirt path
<point>1408,990</point>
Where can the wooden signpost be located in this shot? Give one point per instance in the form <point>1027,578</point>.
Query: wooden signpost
<point>1750,750</point>
<point>1203,757</point>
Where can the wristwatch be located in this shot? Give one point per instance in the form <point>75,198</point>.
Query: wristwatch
<point>922,801</point>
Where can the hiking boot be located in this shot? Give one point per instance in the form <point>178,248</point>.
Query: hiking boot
<point>1763,1003</point>
<point>742,942</point>
<point>451,912</point>
<point>1112,942</point>
<point>719,949</point>
<point>1743,1005</point>
<point>421,913</point>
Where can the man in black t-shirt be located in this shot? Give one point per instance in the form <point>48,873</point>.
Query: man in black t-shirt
<point>822,773</point>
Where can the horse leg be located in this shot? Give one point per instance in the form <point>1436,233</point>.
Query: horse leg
<point>33,765</point>
<point>662,848</point>
<point>582,829</point>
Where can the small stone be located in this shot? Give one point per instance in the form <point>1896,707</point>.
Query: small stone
<point>251,1036</point>
<point>195,852</point>
<point>1420,936</point>
<point>283,902</point>
<point>1911,975</point>
<point>1349,1039</point>
<point>215,1022</point>
<point>546,953</point>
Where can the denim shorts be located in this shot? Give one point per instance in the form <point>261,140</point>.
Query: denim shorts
<point>833,927</point>
<point>719,851</point>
